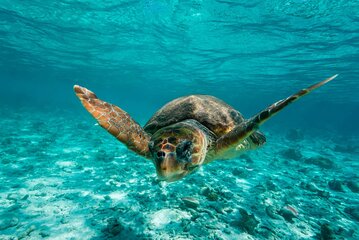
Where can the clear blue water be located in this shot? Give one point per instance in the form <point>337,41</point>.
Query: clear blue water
<point>62,177</point>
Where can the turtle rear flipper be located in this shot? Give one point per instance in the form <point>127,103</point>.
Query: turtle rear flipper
<point>246,128</point>
<point>116,121</point>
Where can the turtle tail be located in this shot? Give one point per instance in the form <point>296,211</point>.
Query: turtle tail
<point>246,128</point>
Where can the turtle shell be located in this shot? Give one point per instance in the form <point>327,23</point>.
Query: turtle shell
<point>213,113</point>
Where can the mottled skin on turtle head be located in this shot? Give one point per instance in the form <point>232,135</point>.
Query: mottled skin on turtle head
<point>178,150</point>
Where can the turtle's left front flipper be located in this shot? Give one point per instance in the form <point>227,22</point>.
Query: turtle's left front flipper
<point>116,121</point>
<point>245,129</point>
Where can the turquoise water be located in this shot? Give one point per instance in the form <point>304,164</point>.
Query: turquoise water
<point>64,177</point>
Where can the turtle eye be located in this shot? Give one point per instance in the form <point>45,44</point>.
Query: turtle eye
<point>184,151</point>
<point>186,146</point>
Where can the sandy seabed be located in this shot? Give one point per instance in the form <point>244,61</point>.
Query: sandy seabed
<point>64,177</point>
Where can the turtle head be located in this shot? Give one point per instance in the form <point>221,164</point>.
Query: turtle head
<point>177,151</point>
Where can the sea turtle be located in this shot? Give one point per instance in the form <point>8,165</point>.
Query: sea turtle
<point>187,132</point>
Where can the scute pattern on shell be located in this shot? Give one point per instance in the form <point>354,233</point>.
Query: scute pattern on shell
<point>210,111</point>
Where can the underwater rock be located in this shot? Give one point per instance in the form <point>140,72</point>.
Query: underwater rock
<point>247,222</point>
<point>14,207</point>
<point>353,212</point>
<point>226,230</point>
<point>218,207</point>
<point>326,232</point>
<point>288,212</point>
<point>320,161</point>
<point>114,227</point>
<point>27,232</point>
<point>198,230</point>
<point>71,196</point>
<point>227,195</point>
<point>212,225</point>
<point>40,194</point>
<point>267,233</point>
<point>44,233</point>
<point>190,202</point>
<point>185,224</point>
<point>64,220</point>
<point>8,221</point>
<point>324,194</point>
<point>273,213</point>
<point>210,193</point>
<point>240,172</point>
<point>310,187</point>
<point>353,186</point>
<point>208,212</point>
<point>294,135</point>
<point>162,218</point>
<point>212,196</point>
<point>271,186</point>
<point>335,185</point>
<point>293,154</point>
<point>329,231</point>
<point>25,197</point>
<point>14,196</point>
<point>260,188</point>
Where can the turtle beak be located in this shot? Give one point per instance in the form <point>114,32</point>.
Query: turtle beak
<point>168,168</point>
<point>171,177</point>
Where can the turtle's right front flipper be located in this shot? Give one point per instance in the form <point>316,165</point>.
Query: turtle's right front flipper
<point>115,121</point>
<point>245,129</point>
